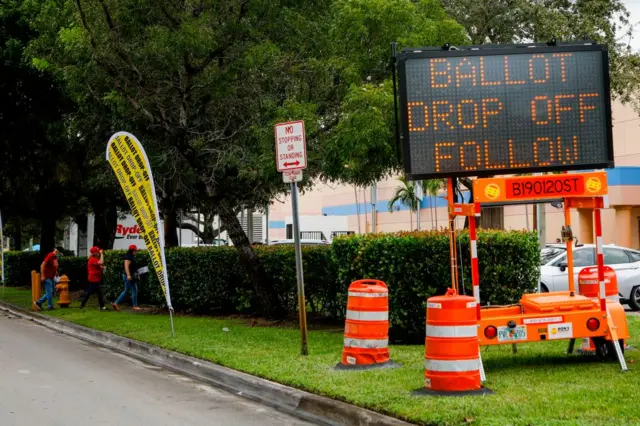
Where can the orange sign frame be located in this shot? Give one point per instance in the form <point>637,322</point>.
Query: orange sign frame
<point>526,188</point>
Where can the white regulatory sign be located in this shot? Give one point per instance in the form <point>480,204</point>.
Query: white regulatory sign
<point>291,176</point>
<point>291,147</point>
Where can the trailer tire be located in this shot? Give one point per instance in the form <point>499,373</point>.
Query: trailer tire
<point>605,349</point>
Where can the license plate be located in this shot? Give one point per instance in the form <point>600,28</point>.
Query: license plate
<point>508,334</point>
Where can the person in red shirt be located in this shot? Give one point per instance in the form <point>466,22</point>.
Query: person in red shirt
<point>95,268</point>
<point>48,274</point>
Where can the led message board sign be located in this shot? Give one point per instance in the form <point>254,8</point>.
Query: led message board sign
<point>505,110</point>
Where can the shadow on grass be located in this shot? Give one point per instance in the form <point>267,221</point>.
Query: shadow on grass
<point>506,363</point>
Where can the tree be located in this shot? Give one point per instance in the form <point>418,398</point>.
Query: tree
<point>521,21</point>
<point>432,187</point>
<point>201,84</point>
<point>38,164</point>
<point>405,193</point>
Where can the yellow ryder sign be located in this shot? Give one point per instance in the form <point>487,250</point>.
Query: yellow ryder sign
<point>131,166</point>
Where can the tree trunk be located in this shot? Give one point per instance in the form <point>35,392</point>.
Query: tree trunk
<point>17,235</point>
<point>269,302</point>
<point>105,223</point>
<point>170,217</point>
<point>47,234</point>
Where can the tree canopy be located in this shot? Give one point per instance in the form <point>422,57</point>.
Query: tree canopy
<point>202,82</point>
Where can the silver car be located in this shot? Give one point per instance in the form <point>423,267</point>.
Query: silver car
<point>625,261</point>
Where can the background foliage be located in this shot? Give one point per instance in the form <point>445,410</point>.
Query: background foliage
<point>415,266</point>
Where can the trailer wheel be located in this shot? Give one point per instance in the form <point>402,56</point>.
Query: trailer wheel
<point>634,298</point>
<point>605,349</point>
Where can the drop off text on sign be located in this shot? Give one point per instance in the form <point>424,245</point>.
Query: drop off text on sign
<point>493,113</point>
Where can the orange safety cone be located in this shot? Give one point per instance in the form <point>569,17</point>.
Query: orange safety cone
<point>587,348</point>
<point>366,331</point>
<point>452,349</point>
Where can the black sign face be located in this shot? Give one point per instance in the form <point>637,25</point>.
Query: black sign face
<point>502,111</point>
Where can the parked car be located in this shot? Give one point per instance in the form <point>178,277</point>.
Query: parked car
<point>625,261</point>
<point>303,242</point>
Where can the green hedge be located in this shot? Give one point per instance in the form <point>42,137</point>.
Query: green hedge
<point>415,266</point>
<point>19,265</point>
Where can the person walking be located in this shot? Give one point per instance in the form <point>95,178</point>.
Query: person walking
<point>48,275</point>
<point>95,269</point>
<point>130,278</point>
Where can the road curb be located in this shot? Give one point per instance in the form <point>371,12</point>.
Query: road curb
<point>307,406</point>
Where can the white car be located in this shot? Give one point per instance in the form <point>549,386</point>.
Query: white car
<point>303,242</point>
<point>625,261</point>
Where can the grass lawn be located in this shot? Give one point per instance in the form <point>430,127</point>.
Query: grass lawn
<point>539,385</point>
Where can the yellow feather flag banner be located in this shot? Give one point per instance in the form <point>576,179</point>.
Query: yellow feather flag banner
<point>130,163</point>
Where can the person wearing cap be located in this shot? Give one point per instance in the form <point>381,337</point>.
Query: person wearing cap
<point>95,269</point>
<point>48,275</point>
<point>130,279</point>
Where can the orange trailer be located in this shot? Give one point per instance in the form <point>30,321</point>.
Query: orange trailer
<point>545,316</point>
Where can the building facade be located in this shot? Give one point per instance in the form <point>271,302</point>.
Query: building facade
<point>367,209</point>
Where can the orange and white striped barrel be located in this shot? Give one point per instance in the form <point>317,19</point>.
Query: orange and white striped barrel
<point>452,350</point>
<point>366,331</point>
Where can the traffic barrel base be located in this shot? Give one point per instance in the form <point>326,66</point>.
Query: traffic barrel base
<point>351,367</point>
<point>431,392</point>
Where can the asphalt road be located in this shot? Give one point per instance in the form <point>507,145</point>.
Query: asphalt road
<point>50,379</point>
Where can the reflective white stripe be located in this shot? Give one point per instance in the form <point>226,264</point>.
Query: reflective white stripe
<point>366,343</point>
<point>452,366</point>
<point>452,330</point>
<point>476,293</point>
<point>474,249</point>
<point>599,243</point>
<point>367,316</point>
<point>359,294</point>
<point>602,290</point>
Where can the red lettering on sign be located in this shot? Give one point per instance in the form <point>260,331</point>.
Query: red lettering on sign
<point>560,186</point>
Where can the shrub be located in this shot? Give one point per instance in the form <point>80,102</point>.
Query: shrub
<point>415,266</point>
<point>19,264</point>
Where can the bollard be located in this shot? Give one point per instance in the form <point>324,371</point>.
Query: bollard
<point>35,289</point>
<point>366,332</point>
<point>452,349</point>
<point>63,288</point>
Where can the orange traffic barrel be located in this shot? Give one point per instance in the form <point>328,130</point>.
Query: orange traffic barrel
<point>452,350</point>
<point>589,286</point>
<point>366,331</point>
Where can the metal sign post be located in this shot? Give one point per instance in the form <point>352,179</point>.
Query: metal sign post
<point>302,304</point>
<point>291,159</point>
